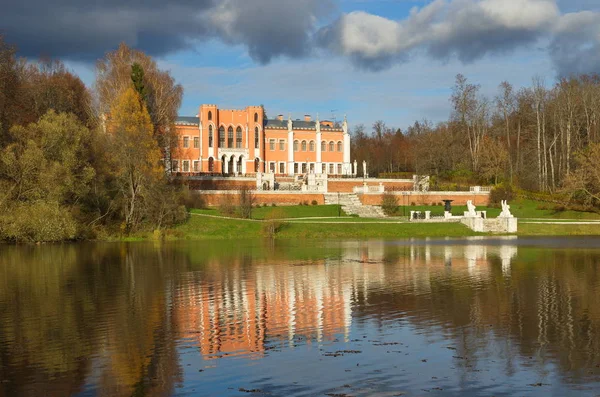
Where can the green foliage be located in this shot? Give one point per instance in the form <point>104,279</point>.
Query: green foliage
<point>37,221</point>
<point>502,192</point>
<point>137,78</point>
<point>389,203</point>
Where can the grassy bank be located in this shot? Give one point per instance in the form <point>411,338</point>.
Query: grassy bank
<point>203,227</point>
<point>291,211</point>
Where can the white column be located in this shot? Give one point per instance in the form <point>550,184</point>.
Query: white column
<point>226,165</point>
<point>319,167</point>
<point>347,167</point>
<point>234,164</point>
<point>290,165</point>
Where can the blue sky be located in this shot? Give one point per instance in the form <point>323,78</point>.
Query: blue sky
<point>391,60</point>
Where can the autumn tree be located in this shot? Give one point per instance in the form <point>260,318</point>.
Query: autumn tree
<point>163,96</point>
<point>136,155</point>
<point>583,184</point>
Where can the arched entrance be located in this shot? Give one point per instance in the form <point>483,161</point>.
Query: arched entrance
<point>231,164</point>
<point>241,165</point>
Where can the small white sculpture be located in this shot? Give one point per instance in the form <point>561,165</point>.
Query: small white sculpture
<point>289,123</point>
<point>505,210</point>
<point>471,209</point>
<point>364,168</point>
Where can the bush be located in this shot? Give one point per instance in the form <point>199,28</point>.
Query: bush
<point>314,202</point>
<point>272,205</point>
<point>226,205</point>
<point>500,193</point>
<point>38,222</point>
<point>246,201</point>
<point>389,203</point>
<point>273,223</point>
<point>305,203</point>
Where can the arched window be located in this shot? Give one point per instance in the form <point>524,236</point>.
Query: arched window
<point>230,137</point>
<point>209,115</point>
<point>211,165</point>
<point>323,146</point>
<point>331,146</point>
<point>311,146</point>
<point>295,146</point>
<point>256,138</point>
<point>304,146</point>
<point>339,146</point>
<point>210,136</point>
<point>221,136</point>
<point>238,138</point>
<point>256,117</point>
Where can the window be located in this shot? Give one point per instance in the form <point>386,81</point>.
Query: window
<point>211,165</point>
<point>295,168</point>
<point>295,146</point>
<point>304,168</point>
<point>323,146</point>
<point>331,146</point>
<point>210,136</point>
<point>196,166</point>
<point>209,115</point>
<point>230,137</point>
<point>324,169</point>
<point>238,138</point>
<point>221,136</point>
<point>304,146</point>
<point>272,167</point>
<point>256,117</point>
<point>282,168</point>
<point>186,142</point>
<point>271,144</point>
<point>339,146</point>
<point>331,168</point>
<point>175,166</point>
<point>256,138</point>
<point>312,168</point>
<point>186,165</point>
<point>311,146</point>
<point>339,169</point>
<point>196,142</point>
<point>281,144</point>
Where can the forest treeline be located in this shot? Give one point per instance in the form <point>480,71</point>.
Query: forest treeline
<point>539,138</point>
<point>62,176</point>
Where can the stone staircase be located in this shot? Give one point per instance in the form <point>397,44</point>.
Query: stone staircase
<point>351,205</point>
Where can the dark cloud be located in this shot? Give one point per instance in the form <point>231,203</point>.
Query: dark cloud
<point>86,29</point>
<point>575,47</point>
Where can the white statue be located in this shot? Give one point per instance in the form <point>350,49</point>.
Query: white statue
<point>471,209</point>
<point>290,122</point>
<point>355,168</point>
<point>345,125</point>
<point>505,210</point>
<point>364,168</point>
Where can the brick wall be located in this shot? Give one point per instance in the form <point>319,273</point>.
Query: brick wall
<point>214,198</point>
<point>222,184</point>
<point>427,198</point>
<point>347,185</point>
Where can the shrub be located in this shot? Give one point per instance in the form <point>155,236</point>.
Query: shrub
<point>246,201</point>
<point>273,223</point>
<point>272,205</point>
<point>305,203</point>
<point>500,193</point>
<point>314,202</point>
<point>37,222</point>
<point>226,205</point>
<point>413,203</point>
<point>389,203</point>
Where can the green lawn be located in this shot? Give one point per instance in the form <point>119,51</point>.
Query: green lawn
<point>558,230</point>
<point>289,211</point>
<point>520,208</point>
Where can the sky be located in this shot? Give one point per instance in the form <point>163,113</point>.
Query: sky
<point>390,60</point>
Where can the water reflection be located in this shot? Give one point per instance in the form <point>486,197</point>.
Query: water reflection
<point>474,316</point>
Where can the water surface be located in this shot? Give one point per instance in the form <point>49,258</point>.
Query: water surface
<point>476,317</point>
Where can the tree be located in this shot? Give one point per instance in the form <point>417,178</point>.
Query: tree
<point>584,182</point>
<point>494,158</point>
<point>136,155</point>
<point>468,114</point>
<point>114,75</point>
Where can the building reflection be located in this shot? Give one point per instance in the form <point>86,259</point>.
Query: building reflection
<point>238,309</point>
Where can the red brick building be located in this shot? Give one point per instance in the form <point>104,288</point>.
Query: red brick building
<point>243,142</point>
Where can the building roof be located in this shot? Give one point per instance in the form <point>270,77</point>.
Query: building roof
<point>188,120</point>
<point>297,125</point>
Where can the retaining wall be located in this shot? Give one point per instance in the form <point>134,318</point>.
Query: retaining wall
<point>428,198</point>
<point>215,197</point>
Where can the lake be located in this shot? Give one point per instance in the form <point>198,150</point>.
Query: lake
<point>475,317</point>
